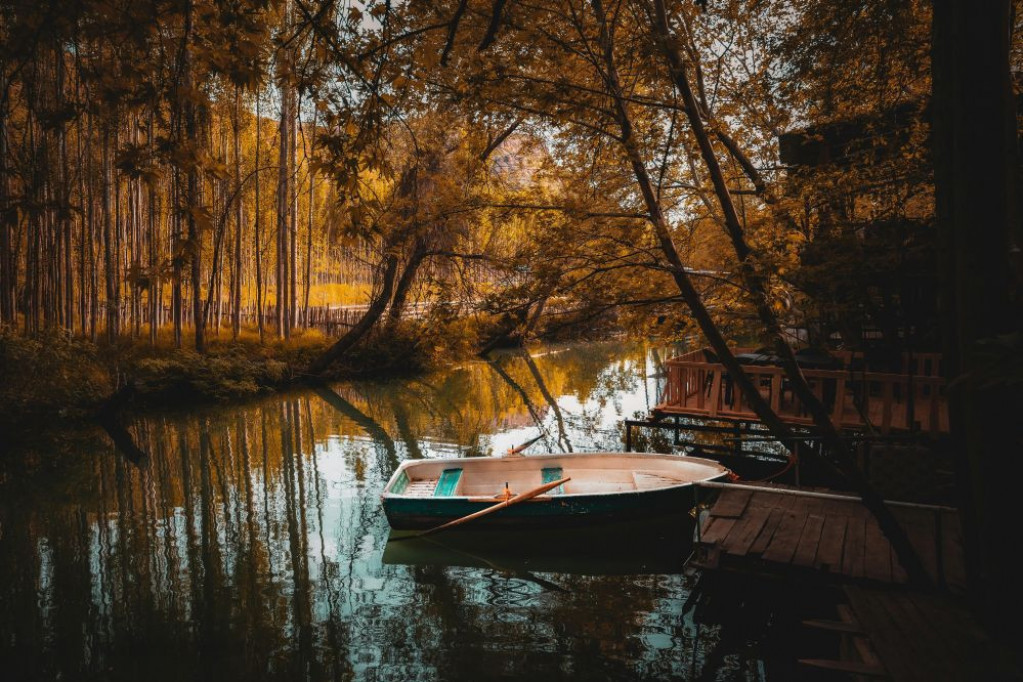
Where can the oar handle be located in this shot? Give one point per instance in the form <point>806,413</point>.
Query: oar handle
<point>521,497</point>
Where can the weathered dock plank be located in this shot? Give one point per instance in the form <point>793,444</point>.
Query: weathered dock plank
<point>741,538</point>
<point>925,637</point>
<point>829,550</point>
<point>732,504</point>
<point>779,527</point>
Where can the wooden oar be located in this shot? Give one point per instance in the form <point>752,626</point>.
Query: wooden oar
<point>515,451</point>
<point>521,497</point>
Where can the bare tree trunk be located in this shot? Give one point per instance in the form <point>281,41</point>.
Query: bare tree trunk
<point>236,294</point>
<point>154,284</point>
<point>192,193</point>
<point>406,280</point>
<point>293,212</point>
<point>751,276</point>
<point>177,304</point>
<point>283,208</point>
<point>91,242</point>
<point>117,250</point>
<point>64,190</point>
<point>135,243</point>
<point>372,314</point>
<point>34,246</point>
<point>85,223</point>
<point>8,224</point>
<point>112,306</point>
<point>309,222</point>
<point>258,222</point>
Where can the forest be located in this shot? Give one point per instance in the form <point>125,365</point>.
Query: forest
<point>220,197</point>
<point>206,169</point>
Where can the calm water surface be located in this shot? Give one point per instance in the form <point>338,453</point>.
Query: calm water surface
<point>250,544</point>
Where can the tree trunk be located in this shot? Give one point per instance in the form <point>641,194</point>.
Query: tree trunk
<point>112,304</point>
<point>64,215</point>
<point>293,212</point>
<point>976,184</point>
<point>372,314</point>
<point>309,222</point>
<point>8,224</point>
<point>85,226</point>
<point>257,227</point>
<point>756,286</point>
<point>408,277</point>
<point>90,245</point>
<point>283,208</point>
<point>154,284</point>
<point>236,293</point>
<point>177,304</point>
<point>192,193</point>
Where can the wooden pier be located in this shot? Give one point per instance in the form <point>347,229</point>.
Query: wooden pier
<point>778,528</point>
<point>909,637</point>
<point>911,400</point>
<point>886,630</point>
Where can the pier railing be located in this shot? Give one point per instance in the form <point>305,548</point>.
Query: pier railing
<point>857,399</point>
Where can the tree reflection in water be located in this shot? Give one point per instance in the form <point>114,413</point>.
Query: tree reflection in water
<point>250,543</point>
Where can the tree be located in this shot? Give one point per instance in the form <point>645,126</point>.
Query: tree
<point>977,183</point>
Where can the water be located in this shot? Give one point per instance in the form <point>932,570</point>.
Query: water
<point>250,543</point>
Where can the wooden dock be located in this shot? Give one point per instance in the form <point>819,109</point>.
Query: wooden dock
<point>909,637</point>
<point>778,528</point>
<point>858,400</point>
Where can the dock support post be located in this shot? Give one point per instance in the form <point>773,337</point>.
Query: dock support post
<point>696,506</point>
<point>676,428</point>
<point>799,462</point>
<point>628,436</point>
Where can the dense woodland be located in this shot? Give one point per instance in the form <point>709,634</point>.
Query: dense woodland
<point>179,170</point>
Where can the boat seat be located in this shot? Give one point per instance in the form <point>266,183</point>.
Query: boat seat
<point>447,485</point>
<point>401,484</point>
<point>551,474</point>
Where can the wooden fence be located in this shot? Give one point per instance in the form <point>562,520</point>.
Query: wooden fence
<point>857,399</point>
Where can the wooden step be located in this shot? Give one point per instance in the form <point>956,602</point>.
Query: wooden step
<point>851,667</point>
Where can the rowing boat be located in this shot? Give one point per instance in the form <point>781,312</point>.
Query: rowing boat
<point>601,487</point>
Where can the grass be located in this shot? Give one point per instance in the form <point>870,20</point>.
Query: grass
<point>55,374</point>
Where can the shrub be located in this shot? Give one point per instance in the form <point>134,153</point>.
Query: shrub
<point>50,372</point>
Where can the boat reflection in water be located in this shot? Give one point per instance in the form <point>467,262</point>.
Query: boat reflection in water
<point>653,546</point>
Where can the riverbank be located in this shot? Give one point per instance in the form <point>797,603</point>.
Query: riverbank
<point>53,376</point>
